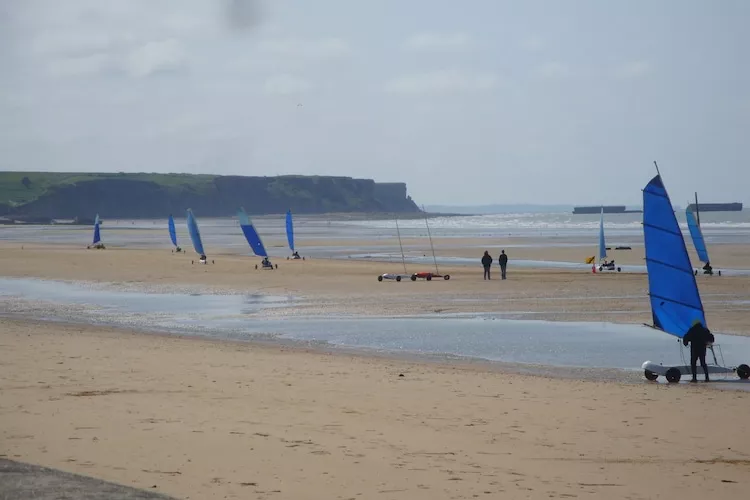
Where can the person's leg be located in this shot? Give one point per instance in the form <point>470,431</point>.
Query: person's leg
<point>693,363</point>
<point>702,357</point>
<point>486,272</point>
<point>502,270</point>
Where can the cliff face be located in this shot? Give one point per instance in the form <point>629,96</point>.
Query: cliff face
<point>154,195</point>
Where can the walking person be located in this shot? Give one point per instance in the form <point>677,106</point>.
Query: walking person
<point>486,263</point>
<point>699,337</point>
<point>503,260</point>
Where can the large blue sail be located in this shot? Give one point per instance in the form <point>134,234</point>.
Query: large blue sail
<point>97,236</point>
<point>251,235</point>
<point>602,246</point>
<point>697,235</point>
<point>290,230</point>
<point>172,231</point>
<point>195,234</point>
<point>673,292</point>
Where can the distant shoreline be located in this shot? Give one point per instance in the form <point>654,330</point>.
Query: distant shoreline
<point>354,216</point>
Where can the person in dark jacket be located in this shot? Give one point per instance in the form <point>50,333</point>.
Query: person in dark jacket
<point>503,260</point>
<point>698,337</point>
<point>486,263</point>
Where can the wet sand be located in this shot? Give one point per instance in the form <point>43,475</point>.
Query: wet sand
<point>333,286</point>
<point>204,420</point>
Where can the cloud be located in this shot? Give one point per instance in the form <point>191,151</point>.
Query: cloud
<point>437,42</point>
<point>155,57</point>
<point>553,69</point>
<point>80,66</point>
<point>285,84</point>
<point>139,62</point>
<point>439,82</point>
<point>73,43</point>
<point>533,43</point>
<point>296,47</point>
<point>632,69</point>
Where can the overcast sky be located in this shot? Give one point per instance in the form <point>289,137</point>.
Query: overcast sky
<point>483,101</point>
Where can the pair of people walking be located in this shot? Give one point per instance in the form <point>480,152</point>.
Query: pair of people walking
<point>487,263</point>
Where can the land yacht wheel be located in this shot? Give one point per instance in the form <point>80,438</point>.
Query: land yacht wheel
<point>398,278</point>
<point>743,371</point>
<point>601,268</point>
<point>429,277</point>
<point>619,269</point>
<point>380,278</point>
<point>447,277</point>
<point>414,277</point>
<point>673,375</point>
<point>650,375</point>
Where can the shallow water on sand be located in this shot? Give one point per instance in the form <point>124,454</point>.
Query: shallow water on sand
<point>240,317</point>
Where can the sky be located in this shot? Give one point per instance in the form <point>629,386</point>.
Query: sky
<point>487,101</point>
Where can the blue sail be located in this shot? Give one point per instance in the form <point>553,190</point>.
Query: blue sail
<point>251,235</point>
<point>195,234</point>
<point>97,236</point>
<point>172,231</point>
<point>697,235</point>
<point>602,246</point>
<point>673,292</point>
<point>290,230</point>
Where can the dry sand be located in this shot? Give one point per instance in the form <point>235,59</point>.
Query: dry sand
<point>204,420</point>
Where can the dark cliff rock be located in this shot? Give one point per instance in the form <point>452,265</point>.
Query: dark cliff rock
<point>66,196</point>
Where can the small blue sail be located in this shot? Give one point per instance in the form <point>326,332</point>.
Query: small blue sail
<point>97,236</point>
<point>602,245</point>
<point>195,234</point>
<point>290,230</point>
<point>673,291</point>
<point>697,235</point>
<point>251,235</point>
<point>172,230</point>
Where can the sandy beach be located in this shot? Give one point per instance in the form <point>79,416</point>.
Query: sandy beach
<point>203,419</point>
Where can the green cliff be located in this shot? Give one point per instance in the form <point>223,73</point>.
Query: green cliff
<point>143,195</point>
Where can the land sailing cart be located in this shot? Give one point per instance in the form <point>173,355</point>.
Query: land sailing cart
<point>715,365</point>
<point>673,291</point>
<point>397,276</point>
<point>428,275</point>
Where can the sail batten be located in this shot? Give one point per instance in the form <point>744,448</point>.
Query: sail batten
<point>673,291</point>
<point>251,234</point>
<point>195,234</point>
<point>665,299</point>
<point>697,235</point>
<point>664,230</point>
<point>172,230</point>
<point>666,264</point>
<point>290,230</point>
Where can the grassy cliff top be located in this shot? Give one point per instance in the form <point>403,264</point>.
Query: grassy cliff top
<point>17,188</point>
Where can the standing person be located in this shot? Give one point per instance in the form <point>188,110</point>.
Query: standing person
<point>503,260</point>
<point>486,262</point>
<point>699,337</point>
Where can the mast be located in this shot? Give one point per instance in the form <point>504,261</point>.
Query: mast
<point>403,260</point>
<point>434,259</point>
<point>697,211</point>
